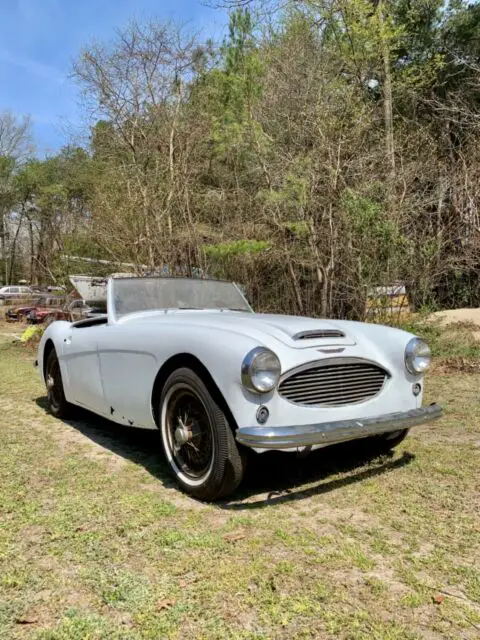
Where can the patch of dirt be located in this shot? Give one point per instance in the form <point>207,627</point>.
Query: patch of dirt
<point>76,432</point>
<point>353,578</point>
<point>458,364</point>
<point>32,534</point>
<point>181,500</point>
<point>7,405</point>
<point>49,563</point>
<point>45,611</point>
<point>453,316</point>
<point>459,319</point>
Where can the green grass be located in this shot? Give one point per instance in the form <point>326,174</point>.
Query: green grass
<point>97,543</point>
<point>455,340</point>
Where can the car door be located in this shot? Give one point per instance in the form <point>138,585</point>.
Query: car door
<point>128,368</point>
<point>82,369</point>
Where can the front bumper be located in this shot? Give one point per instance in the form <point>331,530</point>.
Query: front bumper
<point>332,432</point>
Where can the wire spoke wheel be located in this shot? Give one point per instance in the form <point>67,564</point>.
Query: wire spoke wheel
<point>189,432</point>
<point>197,440</point>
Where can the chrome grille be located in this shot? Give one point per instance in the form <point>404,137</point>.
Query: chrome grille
<point>318,334</point>
<point>334,383</point>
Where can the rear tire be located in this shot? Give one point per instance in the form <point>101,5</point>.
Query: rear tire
<point>57,403</point>
<point>197,439</point>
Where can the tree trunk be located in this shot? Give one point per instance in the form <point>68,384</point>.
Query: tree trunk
<point>32,251</point>
<point>13,248</point>
<point>324,293</point>
<point>322,271</point>
<point>387,107</point>
<point>3,239</point>
<point>293,276</point>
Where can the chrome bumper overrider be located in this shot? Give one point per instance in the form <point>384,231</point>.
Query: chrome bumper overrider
<point>332,432</point>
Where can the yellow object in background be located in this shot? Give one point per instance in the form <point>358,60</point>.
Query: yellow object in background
<point>390,298</point>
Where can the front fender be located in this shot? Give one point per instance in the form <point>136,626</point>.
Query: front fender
<point>55,333</point>
<point>382,345</point>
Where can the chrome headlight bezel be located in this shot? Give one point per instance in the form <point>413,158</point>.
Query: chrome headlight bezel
<point>256,376</point>
<point>417,356</point>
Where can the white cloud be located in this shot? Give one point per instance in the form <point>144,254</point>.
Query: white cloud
<point>32,66</point>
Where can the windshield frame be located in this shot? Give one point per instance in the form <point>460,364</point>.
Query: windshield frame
<point>115,317</point>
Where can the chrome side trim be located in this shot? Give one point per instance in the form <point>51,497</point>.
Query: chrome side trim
<point>334,432</point>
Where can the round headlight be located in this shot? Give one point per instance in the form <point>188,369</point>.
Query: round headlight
<point>417,356</point>
<point>260,370</point>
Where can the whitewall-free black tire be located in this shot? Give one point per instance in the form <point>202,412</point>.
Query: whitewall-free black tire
<point>57,403</point>
<point>197,439</point>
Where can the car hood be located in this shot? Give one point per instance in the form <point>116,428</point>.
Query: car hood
<point>23,308</point>
<point>293,331</point>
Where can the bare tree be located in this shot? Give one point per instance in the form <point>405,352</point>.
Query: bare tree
<point>139,86</point>
<point>278,162</point>
<point>15,136</point>
<point>15,144</point>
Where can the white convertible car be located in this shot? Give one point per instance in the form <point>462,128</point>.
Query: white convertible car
<point>189,357</point>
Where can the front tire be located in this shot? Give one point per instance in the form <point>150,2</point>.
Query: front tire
<point>57,403</point>
<point>388,441</point>
<point>197,440</point>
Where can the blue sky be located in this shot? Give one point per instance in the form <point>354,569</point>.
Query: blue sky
<point>40,38</point>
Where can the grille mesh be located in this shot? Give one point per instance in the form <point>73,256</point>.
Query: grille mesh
<point>334,384</point>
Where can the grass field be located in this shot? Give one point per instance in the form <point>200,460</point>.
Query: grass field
<point>96,542</point>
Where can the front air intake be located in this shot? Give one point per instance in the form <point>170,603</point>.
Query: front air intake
<point>333,383</point>
<point>319,334</point>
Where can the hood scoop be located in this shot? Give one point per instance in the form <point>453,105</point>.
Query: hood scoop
<point>318,334</point>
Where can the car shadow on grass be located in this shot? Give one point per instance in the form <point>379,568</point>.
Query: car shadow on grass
<point>141,446</point>
<point>271,478</point>
<point>285,477</point>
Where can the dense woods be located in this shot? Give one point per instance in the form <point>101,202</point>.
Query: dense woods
<point>323,148</point>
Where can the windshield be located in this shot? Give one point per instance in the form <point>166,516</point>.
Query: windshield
<point>146,294</point>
